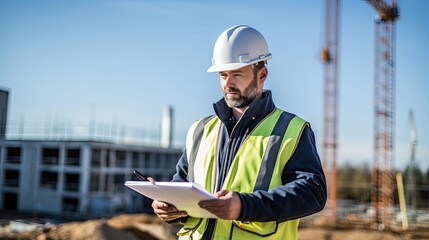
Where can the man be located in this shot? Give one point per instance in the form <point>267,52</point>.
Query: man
<point>260,162</point>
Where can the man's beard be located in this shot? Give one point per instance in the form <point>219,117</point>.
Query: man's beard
<point>244,99</point>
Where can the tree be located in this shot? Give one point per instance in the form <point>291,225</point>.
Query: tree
<point>354,182</point>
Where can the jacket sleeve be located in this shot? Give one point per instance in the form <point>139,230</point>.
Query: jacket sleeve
<point>303,191</point>
<point>181,174</point>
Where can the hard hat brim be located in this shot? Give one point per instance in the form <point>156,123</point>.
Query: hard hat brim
<point>234,66</point>
<point>227,67</point>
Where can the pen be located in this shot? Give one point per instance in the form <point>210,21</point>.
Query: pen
<point>140,175</point>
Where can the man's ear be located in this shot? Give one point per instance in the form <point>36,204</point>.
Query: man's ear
<point>263,75</point>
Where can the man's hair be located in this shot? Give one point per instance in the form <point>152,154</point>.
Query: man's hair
<point>258,66</point>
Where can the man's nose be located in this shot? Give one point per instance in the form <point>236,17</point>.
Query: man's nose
<point>229,80</point>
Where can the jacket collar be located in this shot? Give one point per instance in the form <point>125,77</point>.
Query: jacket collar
<point>262,106</point>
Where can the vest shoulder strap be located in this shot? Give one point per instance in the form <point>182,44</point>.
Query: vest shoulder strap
<point>274,144</point>
<point>196,141</point>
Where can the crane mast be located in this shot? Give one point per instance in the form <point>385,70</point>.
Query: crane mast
<point>330,60</point>
<point>384,85</point>
<point>411,183</point>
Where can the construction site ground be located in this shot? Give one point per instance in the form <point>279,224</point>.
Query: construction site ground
<point>149,227</point>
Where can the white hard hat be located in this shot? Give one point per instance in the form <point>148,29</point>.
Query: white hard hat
<point>237,47</point>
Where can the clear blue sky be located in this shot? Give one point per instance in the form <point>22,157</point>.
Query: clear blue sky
<point>131,58</point>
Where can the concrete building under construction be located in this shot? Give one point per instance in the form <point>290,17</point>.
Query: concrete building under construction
<point>77,178</point>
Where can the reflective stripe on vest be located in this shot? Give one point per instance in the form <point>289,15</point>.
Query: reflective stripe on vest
<point>257,165</point>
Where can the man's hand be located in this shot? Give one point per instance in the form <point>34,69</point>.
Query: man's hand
<point>226,206</point>
<point>166,211</point>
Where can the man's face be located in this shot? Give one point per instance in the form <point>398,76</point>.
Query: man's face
<point>240,87</point>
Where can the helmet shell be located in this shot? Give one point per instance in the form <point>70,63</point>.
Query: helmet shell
<point>237,47</point>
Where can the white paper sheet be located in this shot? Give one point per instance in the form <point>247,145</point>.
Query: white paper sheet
<point>184,195</point>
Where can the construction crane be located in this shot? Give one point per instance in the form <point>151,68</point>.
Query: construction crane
<point>413,140</point>
<point>330,60</point>
<point>382,176</point>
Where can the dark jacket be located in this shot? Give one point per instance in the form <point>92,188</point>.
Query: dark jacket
<point>304,189</point>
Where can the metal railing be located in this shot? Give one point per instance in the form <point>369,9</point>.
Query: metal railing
<point>83,131</point>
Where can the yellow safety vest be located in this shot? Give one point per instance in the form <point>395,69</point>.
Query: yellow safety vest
<point>258,164</point>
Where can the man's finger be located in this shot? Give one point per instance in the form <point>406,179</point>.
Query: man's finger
<point>213,202</point>
<point>172,215</point>
<point>163,205</point>
<point>221,193</point>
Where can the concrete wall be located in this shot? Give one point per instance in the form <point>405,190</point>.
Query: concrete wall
<point>107,200</point>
